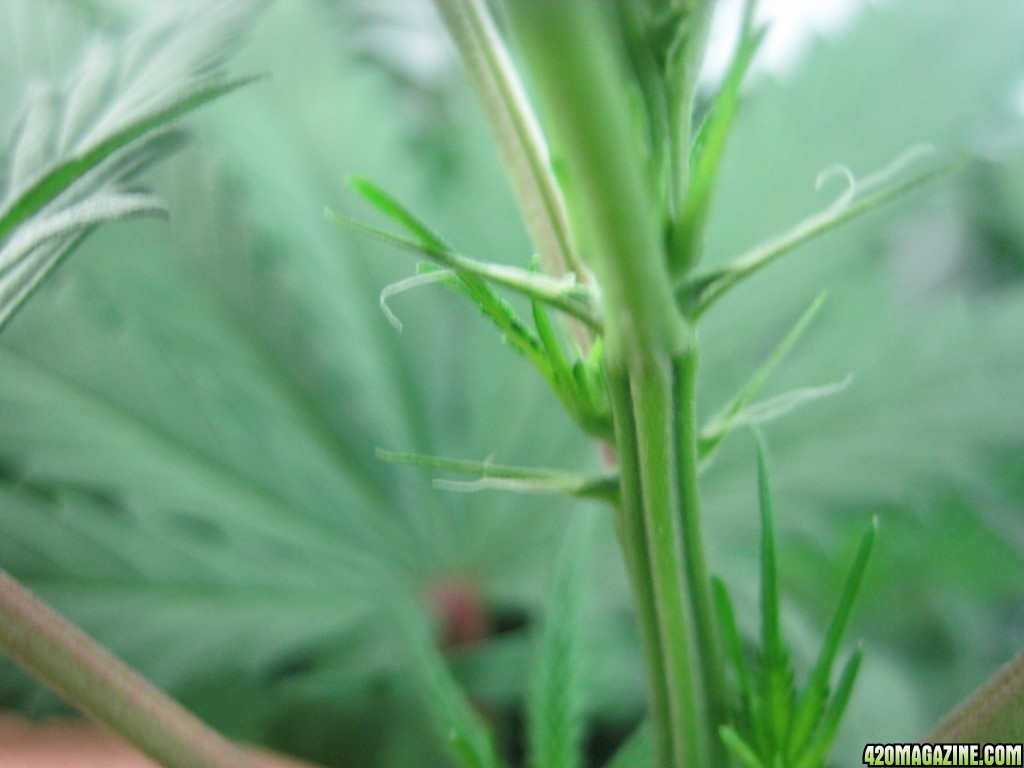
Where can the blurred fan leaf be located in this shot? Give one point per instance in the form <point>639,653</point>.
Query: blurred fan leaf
<point>76,148</point>
<point>188,414</point>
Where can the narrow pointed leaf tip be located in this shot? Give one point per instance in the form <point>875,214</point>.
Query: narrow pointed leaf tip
<point>561,293</point>
<point>777,724</point>
<point>812,707</point>
<point>394,210</point>
<point>738,411</point>
<point>709,145</point>
<point>777,675</point>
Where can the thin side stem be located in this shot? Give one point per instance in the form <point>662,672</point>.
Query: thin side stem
<point>520,141</point>
<point>91,678</point>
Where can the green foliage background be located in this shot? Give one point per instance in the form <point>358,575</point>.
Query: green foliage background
<point>188,413</point>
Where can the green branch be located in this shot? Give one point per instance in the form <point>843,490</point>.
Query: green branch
<point>703,290</point>
<point>99,684</point>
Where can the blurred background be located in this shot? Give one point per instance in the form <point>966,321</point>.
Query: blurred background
<point>189,411</point>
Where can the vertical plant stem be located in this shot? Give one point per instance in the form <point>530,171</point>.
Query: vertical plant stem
<point>650,363</point>
<point>631,525</point>
<point>99,684</point>
<point>644,409</point>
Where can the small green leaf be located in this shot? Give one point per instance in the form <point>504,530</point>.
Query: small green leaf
<point>560,371</point>
<point>817,750</point>
<point>742,751</point>
<point>563,294</point>
<point>458,725</point>
<point>390,207</point>
<point>549,339</point>
<point>577,384</point>
<point>733,644</point>
<point>555,707</point>
<point>709,145</point>
<point>636,751</point>
<point>777,676</point>
<point>468,282</point>
<point>816,693</point>
<point>733,414</point>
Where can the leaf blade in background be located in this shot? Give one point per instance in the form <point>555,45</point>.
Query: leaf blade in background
<point>249,332</point>
<point>77,147</point>
<point>232,379</point>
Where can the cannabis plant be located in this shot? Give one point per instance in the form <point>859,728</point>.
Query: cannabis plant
<point>206,440</point>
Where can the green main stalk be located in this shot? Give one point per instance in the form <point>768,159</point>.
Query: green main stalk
<point>650,363</point>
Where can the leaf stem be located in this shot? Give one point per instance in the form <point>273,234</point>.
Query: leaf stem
<point>95,681</point>
<point>702,290</point>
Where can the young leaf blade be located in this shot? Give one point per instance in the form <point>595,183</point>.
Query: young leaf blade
<point>555,708</point>
<point>561,293</point>
<point>636,751</point>
<point>740,749</point>
<point>464,732</point>
<point>816,751</point>
<point>734,647</point>
<point>712,435</point>
<point>390,207</point>
<point>812,704</point>
<point>777,675</point>
<point>709,144</point>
